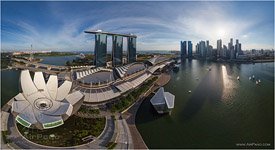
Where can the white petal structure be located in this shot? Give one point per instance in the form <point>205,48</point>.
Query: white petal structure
<point>44,105</point>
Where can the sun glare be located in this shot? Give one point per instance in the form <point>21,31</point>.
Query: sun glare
<point>221,33</point>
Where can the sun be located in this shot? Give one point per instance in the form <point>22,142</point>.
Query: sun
<point>221,32</point>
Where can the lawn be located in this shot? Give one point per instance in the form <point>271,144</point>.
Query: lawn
<point>70,133</point>
<point>88,110</point>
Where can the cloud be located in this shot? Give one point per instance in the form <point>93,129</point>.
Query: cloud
<point>159,25</point>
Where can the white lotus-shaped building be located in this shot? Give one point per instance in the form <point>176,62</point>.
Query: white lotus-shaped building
<point>44,105</point>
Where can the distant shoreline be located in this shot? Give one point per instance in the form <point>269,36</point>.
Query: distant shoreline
<point>55,55</point>
<point>263,61</point>
<point>249,61</point>
<point>239,61</point>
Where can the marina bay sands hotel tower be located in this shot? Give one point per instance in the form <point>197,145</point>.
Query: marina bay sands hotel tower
<point>100,59</point>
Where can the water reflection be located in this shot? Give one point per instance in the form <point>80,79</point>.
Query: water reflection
<point>228,84</point>
<point>219,111</point>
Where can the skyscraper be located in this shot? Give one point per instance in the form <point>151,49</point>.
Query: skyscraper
<point>190,49</point>
<point>131,51</point>
<point>207,49</point>
<point>219,48</point>
<point>224,52</point>
<point>211,53</point>
<point>183,49</point>
<point>117,52</point>
<point>202,49</point>
<point>238,48</point>
<point>117,49</point>
<point>100,50</point>
<point>197,49</point>
<point>231,49</point>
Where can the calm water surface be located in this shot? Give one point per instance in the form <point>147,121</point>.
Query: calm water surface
<point>57,60</point>
<point>219,113</point>
<point>9,85</point>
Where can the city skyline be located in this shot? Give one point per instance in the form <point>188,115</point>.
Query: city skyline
<point>55,26</point>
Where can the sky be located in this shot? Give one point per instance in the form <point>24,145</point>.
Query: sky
<point>60,26</point>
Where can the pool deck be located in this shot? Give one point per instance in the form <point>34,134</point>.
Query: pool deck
<point>130,114</point>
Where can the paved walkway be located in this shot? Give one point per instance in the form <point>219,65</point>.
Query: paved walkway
<point>4,127</point>
<point>130,114</point>
<point>163,79</point>
<point>124,136</point>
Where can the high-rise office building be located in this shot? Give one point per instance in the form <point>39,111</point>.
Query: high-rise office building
<point>100,50</point>
<point>224,52</point>
<point>117,51</point>
<point>214,54</point>
<point>231,49</point>
<point>197,49</point>
<point>207,48</point>
<point>202,49</point>
<point>131,52</point>
<point>183,49</point>
<point>238,48</point>
<point>190,49</point>
<point>210,49</point>
<point>219,48</point>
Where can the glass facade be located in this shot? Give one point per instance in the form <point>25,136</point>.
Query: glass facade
<point>117,51</point>
<point>190,49</point>
<point>183,48</point>
<point>100,50</point>
<point>219,48</point>
<point>131,49</point>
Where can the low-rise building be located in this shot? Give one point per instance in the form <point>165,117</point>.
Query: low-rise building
<point>162,101</point>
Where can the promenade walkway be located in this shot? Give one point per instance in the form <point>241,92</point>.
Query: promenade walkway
<point>130,114</point>
<point>124,138</point>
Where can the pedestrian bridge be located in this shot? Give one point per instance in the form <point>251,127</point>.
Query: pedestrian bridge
<point>40,66</point>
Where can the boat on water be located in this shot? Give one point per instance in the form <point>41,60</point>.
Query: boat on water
<point>257,82</point>
<point>253,77</point>
<point>238,78</point>
<point>208,68</point>
<point>176,67</point>
<point>249,78</point>
<point>81,56</point>
<point>189,91</point>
